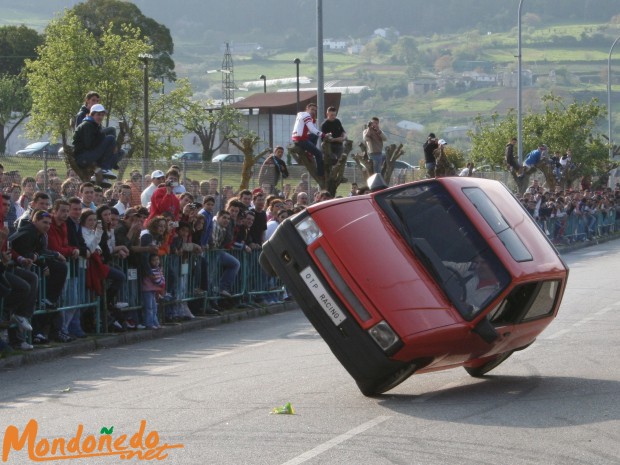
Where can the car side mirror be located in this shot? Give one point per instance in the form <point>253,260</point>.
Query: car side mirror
<point>486,331</point>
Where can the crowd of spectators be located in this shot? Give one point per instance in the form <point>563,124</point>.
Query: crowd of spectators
<point>579,214</point>
<point>45,230</point>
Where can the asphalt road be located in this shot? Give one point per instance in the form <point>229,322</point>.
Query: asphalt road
<point>212,391</point>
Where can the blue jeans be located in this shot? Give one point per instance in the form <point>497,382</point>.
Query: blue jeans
<point>103,155</point>
<point>230,267</point>
<point>149,301</point>
<point>378,159</point>
<point>314,150</point>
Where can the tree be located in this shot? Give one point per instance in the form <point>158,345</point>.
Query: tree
<point>559,126</point>
<point>246,145</point>
<point>406,50</point>
<point>97,15</point>
<point>203,118</point>
<point>16,44</point>
<point>14,107</point>
<point>71,62</point>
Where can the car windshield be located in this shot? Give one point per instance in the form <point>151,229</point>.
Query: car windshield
<point>448,245</point>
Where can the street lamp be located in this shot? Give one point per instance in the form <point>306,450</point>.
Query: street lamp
<point>297,61</point>
<point>264,78</point>
<point>519,72</point>
<point>611,145</point>
<point>145,57</point>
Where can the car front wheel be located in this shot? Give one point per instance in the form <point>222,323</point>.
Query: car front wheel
<point>482,370</point>
<point>374,387</point>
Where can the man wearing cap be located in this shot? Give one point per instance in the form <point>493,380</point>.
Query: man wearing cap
<point>157,177</point>
<point>534,157</point>
<point>92,146</point>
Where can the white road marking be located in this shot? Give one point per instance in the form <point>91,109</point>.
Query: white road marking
<point>241,348</point>
<point>583,321</point>
<point>337,440</point>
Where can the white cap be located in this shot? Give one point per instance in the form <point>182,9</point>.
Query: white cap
<point>157,174</point>
<point>442,142</point>
<point>97,108</point>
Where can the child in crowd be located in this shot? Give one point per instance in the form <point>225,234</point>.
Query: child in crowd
<point>153,285</point>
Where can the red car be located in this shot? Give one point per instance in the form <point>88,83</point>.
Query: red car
<point>425,276</point>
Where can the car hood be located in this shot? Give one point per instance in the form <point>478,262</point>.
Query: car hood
<point>368,249</point>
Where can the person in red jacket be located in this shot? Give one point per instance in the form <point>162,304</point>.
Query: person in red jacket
<point>57,240</point>
<point>164,199</point>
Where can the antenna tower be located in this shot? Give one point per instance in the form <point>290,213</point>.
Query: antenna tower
<point>228,77</point>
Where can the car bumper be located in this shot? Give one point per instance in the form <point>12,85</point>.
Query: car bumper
<point>359,354</point>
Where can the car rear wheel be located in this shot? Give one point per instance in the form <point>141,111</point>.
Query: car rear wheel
<point>266,265</point>
<point>372,388</point>
<point>482,370</point>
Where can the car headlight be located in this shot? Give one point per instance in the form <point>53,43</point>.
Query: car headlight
<point>308,230</point>
<point>384,336</point>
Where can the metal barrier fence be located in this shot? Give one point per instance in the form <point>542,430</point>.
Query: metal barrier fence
<point>189,277</point>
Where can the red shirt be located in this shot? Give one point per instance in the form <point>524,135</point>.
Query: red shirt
<point>57,239</point>
<point>162,201</point>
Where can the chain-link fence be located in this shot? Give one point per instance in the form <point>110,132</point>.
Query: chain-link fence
<point>50,172</point>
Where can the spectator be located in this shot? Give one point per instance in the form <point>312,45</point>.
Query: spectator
<point>302,129</point>
<point>15,210</point>
<point>91,98</point>
<point>69,188</point>
<point>374,138</point>
<point>534,157</point>
<point>54,190</point>
<point>157,178</point>
<point>272,170</point>
<point>509,157</point>
<point>19,289</point>
<point>41,201</point>
<point>429,147</point>
<point>136,188</point>
<point>245,197</point>
<point>164,199</point>
<point>87,195</point>
<point>273,224</point>
<point>333,126</point>
<point>153,286</point>
<point>229,263</point>
<point>28,190</point>
<point>124,201</point>
<point>302,199</point>
<point>59,242</point>
<point>92,146</point>
<point>127,234</point>
<point>259,225</point>
<point>29,247</point>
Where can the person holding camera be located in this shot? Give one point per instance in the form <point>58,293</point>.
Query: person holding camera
<point>164,199</point>
<point>374,139</point>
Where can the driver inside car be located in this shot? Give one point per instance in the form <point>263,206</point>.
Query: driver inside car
<point>477,279</point>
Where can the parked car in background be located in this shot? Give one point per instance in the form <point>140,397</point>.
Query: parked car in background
<point>463,277</point>
<point>189,156</point>
<point>403,165</point>
<point>37,149</point>
<point>232,158</point>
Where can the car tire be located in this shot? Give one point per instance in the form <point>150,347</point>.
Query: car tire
<point>371,388</point>
<point>266,265</point>
<point>483,369</point>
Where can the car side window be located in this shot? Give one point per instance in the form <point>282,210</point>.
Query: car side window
<point>526,302</point>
